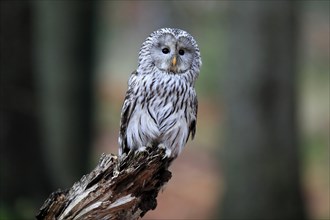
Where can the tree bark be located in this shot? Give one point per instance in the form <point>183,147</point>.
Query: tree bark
<point>118,188</point>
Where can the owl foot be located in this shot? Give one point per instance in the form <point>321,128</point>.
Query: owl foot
<point>168,151</point>
<point>162,146</point>
<point>141,149</point>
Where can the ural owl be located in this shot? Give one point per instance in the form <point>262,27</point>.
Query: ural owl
<point>160,107</point>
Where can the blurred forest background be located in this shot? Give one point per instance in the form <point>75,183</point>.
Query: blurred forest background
<point>262,144</point>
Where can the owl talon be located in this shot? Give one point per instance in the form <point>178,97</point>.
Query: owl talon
<point>161,146</point>
<point>148,147</point>
<point>168,153</point>
<point>141,150</point>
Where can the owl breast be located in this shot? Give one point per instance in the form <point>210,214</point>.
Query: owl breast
<point>163,112</point>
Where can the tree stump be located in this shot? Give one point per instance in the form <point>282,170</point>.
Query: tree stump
<point>118,188</point>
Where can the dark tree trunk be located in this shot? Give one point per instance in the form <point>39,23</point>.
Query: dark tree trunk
<point>63,38</point>
<point>23,177</point>
<point>261,154</point>
<point>45,99</point>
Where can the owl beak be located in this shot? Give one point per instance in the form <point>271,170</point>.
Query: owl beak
<point>174,61</point>
<point>173,67</point>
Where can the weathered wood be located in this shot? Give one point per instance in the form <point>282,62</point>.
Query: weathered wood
<point>123,188</point>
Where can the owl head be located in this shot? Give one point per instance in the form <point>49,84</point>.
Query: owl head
<point>170,50</point>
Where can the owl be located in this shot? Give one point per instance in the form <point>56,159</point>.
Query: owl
<point>160,106</point>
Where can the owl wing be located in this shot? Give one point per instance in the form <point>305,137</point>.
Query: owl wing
<point>126,112</point>
<point>192,126</point>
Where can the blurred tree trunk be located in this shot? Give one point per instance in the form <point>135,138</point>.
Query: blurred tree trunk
<point>63,38</point>
<point>261,154</point>
<point>23,179</point>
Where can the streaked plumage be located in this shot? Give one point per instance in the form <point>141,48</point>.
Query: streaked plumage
<point>160,107</point>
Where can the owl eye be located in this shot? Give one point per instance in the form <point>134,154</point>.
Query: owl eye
<point>181,52</point>
<point>165,50</point>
